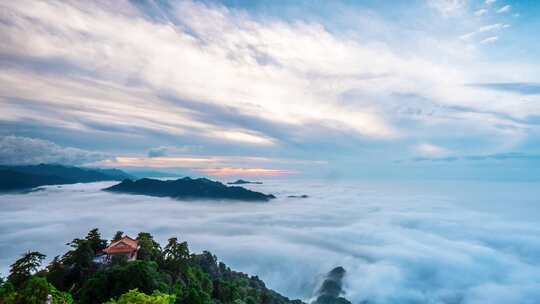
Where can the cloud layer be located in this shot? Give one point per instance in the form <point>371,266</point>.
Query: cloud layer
<point>400,243</point>
<point>15,150</point>
<point>134,76</point>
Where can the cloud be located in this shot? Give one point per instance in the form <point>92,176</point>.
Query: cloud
<point>171,150</point>
<point>490,2</point>
<point>524,88</point>
<point>215,43</point>
<point>504,9</point>
<point>481,12</point>
<point>485,29</point>
<point>160,161</point>
<point>214,165</point>
<point>488,40</point>
<point>16,150</point>
<point>245,137</point>
<point>431,150</point>
<point>157,152</point>
<point>505,156</point>
<point>425,242</point>
<point>230,79</point>
<point>448,7</point>
<point>496,156</point>
<point>245,172</point>
<point>493,27</point>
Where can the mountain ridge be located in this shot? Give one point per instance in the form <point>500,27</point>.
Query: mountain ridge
<point>16,178</point>
<point>188,188</point>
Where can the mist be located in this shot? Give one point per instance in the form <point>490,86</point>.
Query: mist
<point>404,242</point>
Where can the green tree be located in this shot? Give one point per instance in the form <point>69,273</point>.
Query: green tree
<point>95,241</point>
<point>79,262</point>
<point>191,278</point>
<point>23,268</point>
<point>7,291</point>
<point>195,296</point>
<point>59,297</point>
<point>35,291</point>
<point>149,250</point>
<point>175,258</point>
<point>136,297</point>
<point>176,251</point>
<point>56,273</point>
<point>117,236</point>
<point>114,281</point>
<point>194,286</point>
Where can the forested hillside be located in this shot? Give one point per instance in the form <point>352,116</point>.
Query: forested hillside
<point>169,274</point>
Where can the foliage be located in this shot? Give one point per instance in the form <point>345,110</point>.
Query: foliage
<point>149,250</point>
<point>175,257</point>
<point>135,297</point>
<point>112,282</point>
<point>95,241</point>
<point>7,290</point>
<point>117,236</point>
<point>56,272</point>
<point>23,268</point>
<point>78,263</point>
<point>34,291</point>
<point>168,275</point>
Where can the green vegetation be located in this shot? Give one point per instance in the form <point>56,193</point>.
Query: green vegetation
<point>159,276</point>
<point>134,296</point>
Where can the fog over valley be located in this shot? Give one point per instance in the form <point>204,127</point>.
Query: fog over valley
<point>407,242</point>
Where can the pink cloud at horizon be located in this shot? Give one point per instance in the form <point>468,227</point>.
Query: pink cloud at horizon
<point>245,171</point>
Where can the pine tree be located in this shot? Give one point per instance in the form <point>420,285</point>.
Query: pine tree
<point>23,268</point>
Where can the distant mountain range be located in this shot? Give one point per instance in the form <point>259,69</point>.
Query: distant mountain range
<point>15,178</point>
<point>243,182</point>
<point>188,188</point>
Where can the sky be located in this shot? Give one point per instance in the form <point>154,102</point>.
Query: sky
<point>445,89</point>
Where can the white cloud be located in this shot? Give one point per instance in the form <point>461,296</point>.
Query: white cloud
<point>228,49</point>
<point>16,150</point>
<point>481,12</point>
<point>244,137</point>
<point>459,242</point>
<point>431,150</point>
<point>504,9</point>
<point>489,40</point>
<point>468,35</point>
<point>493,27</point>
<point>484,29</point>
<point>290,72</point>
<point>448,7</point>
<point>490,2</point>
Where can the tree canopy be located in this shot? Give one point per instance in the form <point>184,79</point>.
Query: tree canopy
<point>171,274</point>
<point>23,268</point>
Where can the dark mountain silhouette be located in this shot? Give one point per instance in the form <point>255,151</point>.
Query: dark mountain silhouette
<point>243,182</point>
<point>14,178</point>
<point>188,188</point>
<point>332,288</point>
<point>298,196</point>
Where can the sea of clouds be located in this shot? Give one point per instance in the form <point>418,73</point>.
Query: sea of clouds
<point>399,242</point>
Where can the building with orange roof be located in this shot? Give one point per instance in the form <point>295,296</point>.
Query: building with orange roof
<point>124,246</point>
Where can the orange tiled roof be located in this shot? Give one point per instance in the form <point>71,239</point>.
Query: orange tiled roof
<point>124,245</point>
